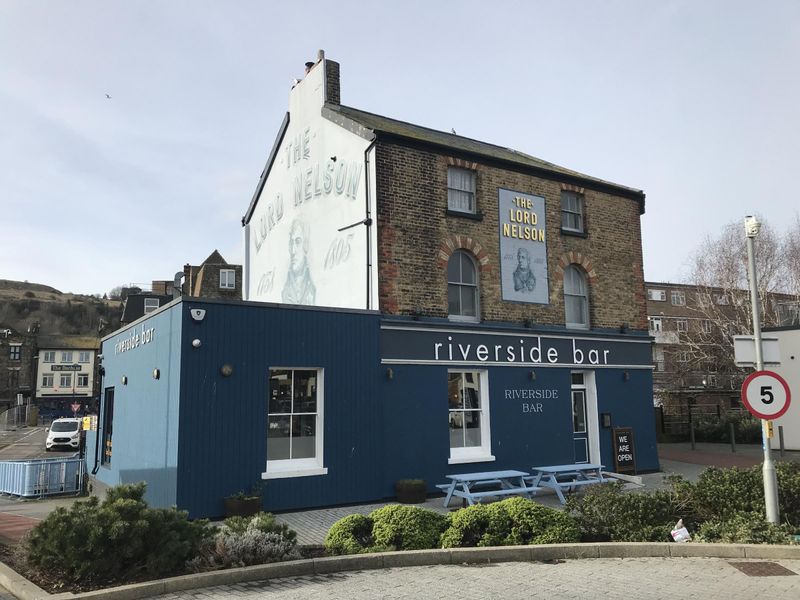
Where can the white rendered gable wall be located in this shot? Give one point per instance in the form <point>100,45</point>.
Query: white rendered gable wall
<point>316,186</point>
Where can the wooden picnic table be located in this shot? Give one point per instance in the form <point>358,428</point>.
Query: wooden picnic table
<point>566,477</point>
<point>473,486</point>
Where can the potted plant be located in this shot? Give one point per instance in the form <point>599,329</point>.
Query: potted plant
<point>410,491</point>
<point>243,504</point>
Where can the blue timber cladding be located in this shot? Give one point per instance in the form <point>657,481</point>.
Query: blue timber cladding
<point>223,420</point>
<point>145,436</point>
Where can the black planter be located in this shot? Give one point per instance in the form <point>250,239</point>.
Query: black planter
<point>236,506</point>
<point>410,491</point>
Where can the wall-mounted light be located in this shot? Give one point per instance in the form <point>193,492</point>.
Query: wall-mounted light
<point>156,373</point>
<point>626,376</point>
<point>605,420</point>
<point>124,380</point>
<point>196,343</point>
<point>226,370</point>
<point>532,375</point>
<point>389,374</point>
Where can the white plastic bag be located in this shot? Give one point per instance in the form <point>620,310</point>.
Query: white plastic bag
<point>680,533</point>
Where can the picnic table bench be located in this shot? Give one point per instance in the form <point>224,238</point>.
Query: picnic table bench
<point>463,485</point>
<point>566,477</point>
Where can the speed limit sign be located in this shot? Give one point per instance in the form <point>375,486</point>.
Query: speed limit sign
<point>766,394</point>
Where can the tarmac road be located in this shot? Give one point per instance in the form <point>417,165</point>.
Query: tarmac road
<point>26,443</point>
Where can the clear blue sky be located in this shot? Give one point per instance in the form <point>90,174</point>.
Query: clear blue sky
<point>694,102</point>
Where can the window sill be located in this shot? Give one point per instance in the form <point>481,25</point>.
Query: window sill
<point>580,234</point>
<point>471,459</point>
<point>478,216</point>
<point>295,473</point>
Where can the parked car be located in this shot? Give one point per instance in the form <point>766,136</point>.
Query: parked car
<point>65,433</point>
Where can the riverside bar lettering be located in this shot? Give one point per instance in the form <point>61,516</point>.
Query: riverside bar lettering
<point>530,350</point>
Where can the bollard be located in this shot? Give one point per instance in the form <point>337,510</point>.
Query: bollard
<point>691,433</point>
<point>780,438</point>
<point>733,437</point>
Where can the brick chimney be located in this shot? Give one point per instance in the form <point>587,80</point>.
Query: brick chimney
<point>332,89</point>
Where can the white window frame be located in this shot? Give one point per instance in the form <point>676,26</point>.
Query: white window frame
<point>474,288</point>
<point>65,377</point>
<point>49,356</point>
<point>706,326</point>
<point>457,205</point>
<point>151,308</point>
<point>575,212</point>
<point>713,382</point>
<point>683,356</point>
<point>657,295</point>
<point>301,467</point>
<point>227,279</point>
<point>79,376</point>
<point>45,378</point>
<point>482,453</point>
<point>66,356</point>
<point>682,325</point>
<point>678,298</point>
<point>84,356</point>
<point>585,295</point>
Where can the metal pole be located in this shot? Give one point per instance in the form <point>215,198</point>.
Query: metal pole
<point>770,478</point>
<point>691,433</point>
<point>780,437</point>
<point>733,436</point>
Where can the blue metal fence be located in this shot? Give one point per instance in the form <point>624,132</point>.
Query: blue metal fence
<point>42,477</point>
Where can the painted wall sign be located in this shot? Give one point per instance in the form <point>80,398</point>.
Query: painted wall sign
<point>420,345</point>
<point>523,248</point>
<point>624,456</point>
<point>65,368</point>
<point>295,252</point>
<point>136,337</point>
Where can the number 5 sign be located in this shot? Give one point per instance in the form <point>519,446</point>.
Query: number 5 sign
<point>766,394</point>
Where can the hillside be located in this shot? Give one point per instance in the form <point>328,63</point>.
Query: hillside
<point>22,303</point>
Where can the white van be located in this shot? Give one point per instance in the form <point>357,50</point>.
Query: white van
<point>64,432</point>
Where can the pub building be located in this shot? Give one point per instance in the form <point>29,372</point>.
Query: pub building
<point>415,304</point>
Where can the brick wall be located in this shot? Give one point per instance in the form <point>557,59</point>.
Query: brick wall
<point>416,237</point>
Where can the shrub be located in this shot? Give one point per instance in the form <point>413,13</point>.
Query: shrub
<point>604,512</point>
<point>744,528</point>
<point>115,539</point>
<point>260,541</point>
<point>406,527</point>
<point>710,428</point>
<point>263,521</point>
<point>350,535</point>
<point>513,521</point>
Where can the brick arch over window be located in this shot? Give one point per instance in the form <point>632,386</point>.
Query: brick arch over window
<point>463,242</point>
<point>575,258</point>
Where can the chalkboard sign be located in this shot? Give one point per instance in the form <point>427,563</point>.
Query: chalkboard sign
<point>624,456</point>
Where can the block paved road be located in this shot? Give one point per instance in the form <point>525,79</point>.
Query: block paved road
<point>651,578</point>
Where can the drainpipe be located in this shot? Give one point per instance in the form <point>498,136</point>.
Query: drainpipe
<point>368,221</point>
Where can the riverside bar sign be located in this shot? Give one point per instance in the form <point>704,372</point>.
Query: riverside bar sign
<point>430,346</point>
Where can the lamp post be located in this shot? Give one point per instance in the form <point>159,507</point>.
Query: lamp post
<point>751,228</point>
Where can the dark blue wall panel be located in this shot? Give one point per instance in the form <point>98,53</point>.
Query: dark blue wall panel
<point>223,420</point>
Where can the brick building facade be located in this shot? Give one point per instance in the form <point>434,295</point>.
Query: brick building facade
<point>415,303</point>
<point>16,365</point>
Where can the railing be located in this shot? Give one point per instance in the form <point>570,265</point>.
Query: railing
<point>42,477</point>
<point>14,417</point>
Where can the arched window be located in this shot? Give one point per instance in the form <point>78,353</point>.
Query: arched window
<point>576,298</point>
<point>462,287</point>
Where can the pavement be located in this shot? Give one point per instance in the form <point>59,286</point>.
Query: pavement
<point>694,577</point>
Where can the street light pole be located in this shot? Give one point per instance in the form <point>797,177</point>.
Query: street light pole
<point>751,228</point>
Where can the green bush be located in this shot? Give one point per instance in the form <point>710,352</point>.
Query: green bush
<point>710,428</point>
<point>350,535</point>
<point>605,513</point>
<point>113,540</point>
<point>744,528</point>
<point>262,521</point>
<point>405,527</point>
<point>514,521</point>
